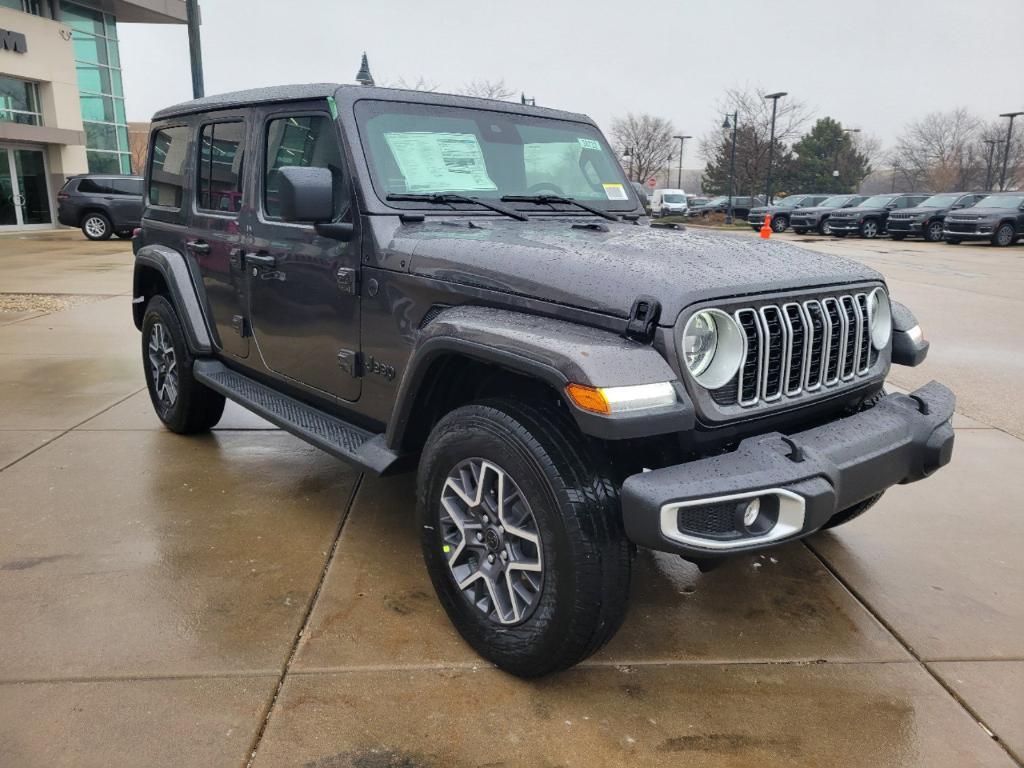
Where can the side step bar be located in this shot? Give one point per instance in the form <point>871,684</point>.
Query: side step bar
<point>329,433</point>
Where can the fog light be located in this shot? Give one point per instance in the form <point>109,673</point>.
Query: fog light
<point>751,512</point>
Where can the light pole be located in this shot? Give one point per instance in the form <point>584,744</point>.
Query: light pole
<point>679,178</point>
<point>992,144</point>
<point>771,147</point>
<point>835,160</point>
<point>732,163</point>
<point>1006,149</point>
<point>628,152</point>
<point>195,48</point>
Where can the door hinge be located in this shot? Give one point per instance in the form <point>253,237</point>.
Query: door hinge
<point>350,362</point>
<point>239,325</point>
<point>346,277</point>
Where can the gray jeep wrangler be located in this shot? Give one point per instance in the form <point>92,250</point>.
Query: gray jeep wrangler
<point>469,288</point>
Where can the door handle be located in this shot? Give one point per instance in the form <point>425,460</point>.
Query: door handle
<point>198,246</point>
<point>261,260</point>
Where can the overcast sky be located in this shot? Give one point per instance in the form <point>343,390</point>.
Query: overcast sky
<point>872,64</point>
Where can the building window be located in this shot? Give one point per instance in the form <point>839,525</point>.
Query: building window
<point>98,61</point>
<point>26,6</point>
<point>19,102</point>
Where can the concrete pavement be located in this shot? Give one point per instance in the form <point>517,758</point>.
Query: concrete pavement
<point>241,597</point>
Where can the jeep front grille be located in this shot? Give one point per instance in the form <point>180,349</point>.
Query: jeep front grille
<point>800,346</point>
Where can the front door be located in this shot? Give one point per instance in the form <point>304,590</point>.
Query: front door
<point>24,191</point>
<point>302,287</point>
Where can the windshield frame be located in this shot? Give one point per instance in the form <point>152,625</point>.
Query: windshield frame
<point>951,195</point>
<point>365,108</point>
<point>889,197</point>
<point>843,200</point>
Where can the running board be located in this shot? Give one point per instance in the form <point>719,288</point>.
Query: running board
<point>329,433</point>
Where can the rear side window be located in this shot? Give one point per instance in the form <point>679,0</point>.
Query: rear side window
<point>167,167</point>
<point>96,187</point>
<point>127,186</point>
<point>305,141</point>
<point>220,167</point>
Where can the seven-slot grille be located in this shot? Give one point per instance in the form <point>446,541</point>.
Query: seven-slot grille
<point>800,347</point>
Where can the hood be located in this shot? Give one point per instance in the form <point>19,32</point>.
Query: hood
<point>852,213</point>
<point>606,271</point>
<point>813,210</point>
<point>980,214</point>
<point>917,210</point>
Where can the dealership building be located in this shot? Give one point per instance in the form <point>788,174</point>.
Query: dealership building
<point>61,97</point>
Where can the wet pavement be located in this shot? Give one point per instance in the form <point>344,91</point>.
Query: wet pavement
<point>240,597</point>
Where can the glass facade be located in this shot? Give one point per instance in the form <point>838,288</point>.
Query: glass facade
<point>99,86</point>
<point>19,102</point>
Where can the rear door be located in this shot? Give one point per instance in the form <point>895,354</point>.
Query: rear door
<point>303,296</point>
<point>129,201</point>
<point>215,238</point>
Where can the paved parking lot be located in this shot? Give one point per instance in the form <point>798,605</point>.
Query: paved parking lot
<point>242,597</point>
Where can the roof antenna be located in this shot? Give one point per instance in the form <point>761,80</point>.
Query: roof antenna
<point>363,77</point>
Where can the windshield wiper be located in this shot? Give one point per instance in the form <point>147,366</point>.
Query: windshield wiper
<point>549,199</point>
<point>447,198</point>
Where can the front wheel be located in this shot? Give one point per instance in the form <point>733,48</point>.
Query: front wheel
<point>1003,236</point>
<point>824,228</point>
<point>780,224</point>
<point>869,229</point>
<point>182,403</point>
<point>522,535</point>
<point>933,232</point>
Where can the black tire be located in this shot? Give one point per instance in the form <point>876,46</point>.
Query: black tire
<point>194,407</point>
<point>586,558</point>
<point>1004,236</point>
<point>870,229</point>
<point>933,232</point>
<point>858,509</point>
<point>780,224</point>
<point>96,226</point>
<point>800,230</point>
<point>897,237</point>
<point>824,228</point>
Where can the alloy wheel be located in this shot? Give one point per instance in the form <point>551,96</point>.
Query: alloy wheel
<point>491,541</point>
<point>1004,235</point>
<point>935,231</point>
<point>870,229</point>
<point>95,226</point>
<point>163,365</point>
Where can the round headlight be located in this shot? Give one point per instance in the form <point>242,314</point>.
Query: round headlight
<point>879,318</point>
<point>712,348</point>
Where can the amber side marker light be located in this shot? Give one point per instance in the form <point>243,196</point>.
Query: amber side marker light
<point>611,400</point>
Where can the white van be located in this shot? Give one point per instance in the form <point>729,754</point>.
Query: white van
<point>667,201</point>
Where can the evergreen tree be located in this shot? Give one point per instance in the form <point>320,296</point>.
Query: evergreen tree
<point>824,149</point>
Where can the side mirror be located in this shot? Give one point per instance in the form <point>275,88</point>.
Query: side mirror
<point>305,194</point>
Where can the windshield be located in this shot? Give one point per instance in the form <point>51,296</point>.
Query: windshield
<point>789,202</point>
<point>878,201</point>
<point>717,200</point>
<point>427,149</point>
<point>1001,201</point>
<point>674,198</point>
<point>940,201</point>
<point>836,202</point>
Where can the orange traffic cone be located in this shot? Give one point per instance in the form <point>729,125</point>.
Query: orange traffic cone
<point>766,228</point>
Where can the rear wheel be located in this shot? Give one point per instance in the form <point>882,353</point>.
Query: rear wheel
<point>780,224</point>
<point>869,229</point>
<point>1003,236</point>
<point>522,535</point>
<point>933,232</point>
<point>96,226</point>
<point>182,403</point>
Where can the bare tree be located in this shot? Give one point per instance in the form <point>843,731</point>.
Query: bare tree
<point>419,84</point>
<point>644,144</point>
<point>996,132</point>
<point>941,152</point>
<point>487,89</point>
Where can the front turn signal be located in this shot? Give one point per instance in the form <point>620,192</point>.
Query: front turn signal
<point>612,400</point>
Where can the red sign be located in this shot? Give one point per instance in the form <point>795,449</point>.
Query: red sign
<point>652,182</point>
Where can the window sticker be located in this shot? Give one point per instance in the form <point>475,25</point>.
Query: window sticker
<point>615,192</point>
<point>440,162</point>
<point>589,143</point>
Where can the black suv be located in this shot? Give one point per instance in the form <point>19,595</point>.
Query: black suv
<point>926,219</point>
<point>997,218</point>
<point>468,288</point>
<point>781,211</point>
<point>869,217</point>
<point>816,218</point>
<point>101,205</point>
<point>741,206</point>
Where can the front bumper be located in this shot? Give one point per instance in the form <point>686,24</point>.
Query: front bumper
<point>847,226</point>
<point>980,231</point>
<point>696,509</point>
<point>904,227</point>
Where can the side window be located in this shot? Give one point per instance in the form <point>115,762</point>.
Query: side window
<point>220,167</point>
<point>94,187</point>
<point>127,186</point>
<point>167,167</point>
<point>306,141</point>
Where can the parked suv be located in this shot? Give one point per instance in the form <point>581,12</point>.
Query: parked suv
<point>781,211</point>
<point>741,206</point>
<point>101,205</point>
<point>816,218</point>
<point>926,219</point>
<point>868,219</point>
<point>410,280</point>
<point>997,218</point>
